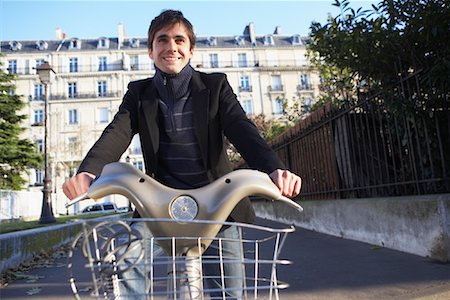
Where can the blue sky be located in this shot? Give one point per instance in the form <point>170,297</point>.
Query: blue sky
<point>32,20</point>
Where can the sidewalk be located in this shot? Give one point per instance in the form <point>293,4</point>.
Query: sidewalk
<point>325,267</point>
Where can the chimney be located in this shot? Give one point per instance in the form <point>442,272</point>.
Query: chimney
<point>278,30</point>
<point>60,35</point>
<point>121,29</point>
<point>250,31</point>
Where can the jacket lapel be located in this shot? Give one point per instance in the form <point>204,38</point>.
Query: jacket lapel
<point>200,105</point>
<point>149,103</point>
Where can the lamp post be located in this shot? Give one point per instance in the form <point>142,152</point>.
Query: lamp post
<point>45,73</point>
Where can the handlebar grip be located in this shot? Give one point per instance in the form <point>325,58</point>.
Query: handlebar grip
<point>291,203</point>
<point>77,199</point>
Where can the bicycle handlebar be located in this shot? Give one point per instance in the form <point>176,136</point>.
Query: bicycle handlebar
<point>152,199</point>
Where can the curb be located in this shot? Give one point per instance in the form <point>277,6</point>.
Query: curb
<point>17,247</point>
<point>20,246</point>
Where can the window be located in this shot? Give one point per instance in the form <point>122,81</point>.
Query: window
<point>247,105</point>
<point>12,66</point>
<point>73,146</point>
<point>134,62</point>
<point>39,146</point>
<point>242,60</point>
<point>102,63</point>
<point>39,91</point>
<point>305,82</point>
<point>72,142</point>
<point>41,45</point>
<point>73,117</point>
<point>73,65</point>
<point>276,83</point>
<point>101,89</point>
<point>278,106</point>
<point>39,117</point>
<point>244,84</point>
<point>138,165</point>
<point>72,89</point>
<point>307,103</point>
<point>15,46</point>
<point>214,60</point>
<point>212,41</point>
<point>103,43</point>
<point>75,44</point>
<point>134,43</point>
<point>39,177</point>
<point>296,40</point>
<point>239,40</point>
<point>103,115</point>
<point>268,40</point>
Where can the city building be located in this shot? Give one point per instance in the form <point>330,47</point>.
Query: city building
<point>92,76</point>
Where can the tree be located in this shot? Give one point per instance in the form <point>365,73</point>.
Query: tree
<point>360,50</point>
<point>16,154</point>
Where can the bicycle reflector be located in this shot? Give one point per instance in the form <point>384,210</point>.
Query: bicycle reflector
<point>183,208</point>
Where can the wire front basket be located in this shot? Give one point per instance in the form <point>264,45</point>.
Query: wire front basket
<point>125,262</point>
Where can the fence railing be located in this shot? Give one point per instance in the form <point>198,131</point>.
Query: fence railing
<point>367,150</point>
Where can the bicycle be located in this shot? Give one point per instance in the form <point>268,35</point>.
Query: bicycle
<point>183,223</point>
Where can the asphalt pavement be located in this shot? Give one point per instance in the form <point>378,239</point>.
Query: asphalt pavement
<point>324,267</point>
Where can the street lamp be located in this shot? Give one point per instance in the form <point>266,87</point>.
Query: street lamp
<point>45,73</point>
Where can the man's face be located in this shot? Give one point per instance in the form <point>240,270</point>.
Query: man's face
<point>171,49</point>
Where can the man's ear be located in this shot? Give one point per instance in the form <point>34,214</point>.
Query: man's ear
<point>150,53</point>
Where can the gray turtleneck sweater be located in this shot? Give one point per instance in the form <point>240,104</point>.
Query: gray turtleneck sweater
<point>180,164</point>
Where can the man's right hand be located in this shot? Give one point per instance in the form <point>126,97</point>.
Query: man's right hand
<point>78,185</point>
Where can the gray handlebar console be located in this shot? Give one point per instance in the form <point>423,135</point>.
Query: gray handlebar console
<point>213,202</point>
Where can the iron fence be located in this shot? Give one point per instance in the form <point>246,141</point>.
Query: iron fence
<point>372,150</point>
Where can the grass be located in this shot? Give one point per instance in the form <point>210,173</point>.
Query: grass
<point>12,226</point>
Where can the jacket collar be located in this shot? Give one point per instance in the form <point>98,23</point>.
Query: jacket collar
<point>178,84</point>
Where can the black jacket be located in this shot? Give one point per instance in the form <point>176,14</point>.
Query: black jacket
<point>217,113</point>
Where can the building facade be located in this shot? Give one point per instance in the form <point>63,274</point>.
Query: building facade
<point>92,76</point>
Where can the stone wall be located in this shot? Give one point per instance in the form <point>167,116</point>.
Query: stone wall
<point>414,224</point>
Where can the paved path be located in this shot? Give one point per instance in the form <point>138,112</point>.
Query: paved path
<point>325,267</point>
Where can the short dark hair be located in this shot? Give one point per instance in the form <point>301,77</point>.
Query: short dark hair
<point>170,18</point>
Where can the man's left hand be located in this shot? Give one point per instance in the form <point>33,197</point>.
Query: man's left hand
<point>288,183</point>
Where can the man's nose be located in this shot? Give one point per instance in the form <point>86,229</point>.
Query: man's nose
<point>172,45</point>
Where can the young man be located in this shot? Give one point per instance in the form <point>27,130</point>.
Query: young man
<point>182,116</point>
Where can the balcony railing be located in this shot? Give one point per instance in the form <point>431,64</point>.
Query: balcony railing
<point>304,87</point>
<point>120,66</point>
<point>245,89</point>
<point>36,124</point>
<point>276,88</point>
<point>85,96</point>
<point>36,98</point>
